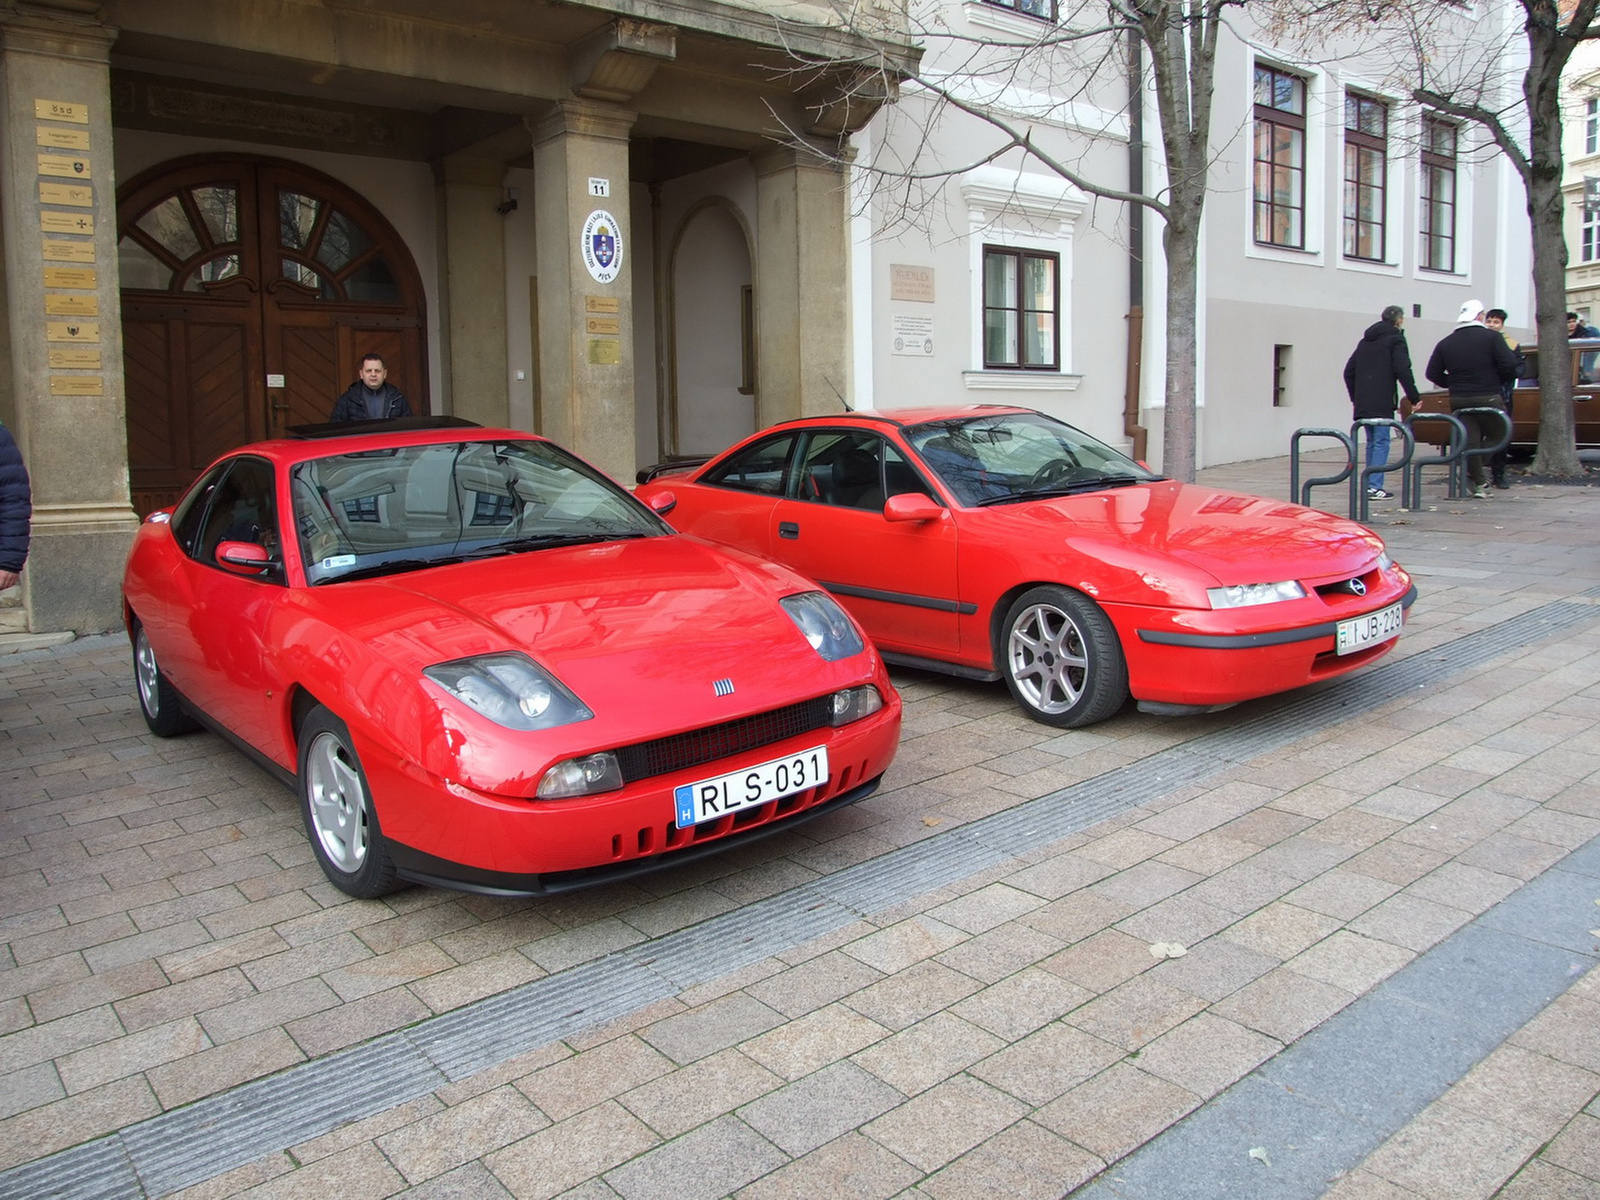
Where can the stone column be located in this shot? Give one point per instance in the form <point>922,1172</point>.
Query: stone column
<point>585,290</point>
<point>802,297</point>
<point>61,389</point>
<point>472,264</point>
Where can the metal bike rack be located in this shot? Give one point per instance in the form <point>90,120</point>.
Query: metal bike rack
<point>1360,503</point>
<point>1301,494</point>
<point>1411,488</point>
<point>1488,451</point>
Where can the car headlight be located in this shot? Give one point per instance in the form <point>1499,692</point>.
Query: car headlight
<point>824,624</point>
<point>854,703</point>
<point>581,777</point>
<point>511,690</point>
<point>1243,595</point>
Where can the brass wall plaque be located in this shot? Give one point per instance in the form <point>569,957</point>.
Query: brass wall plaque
<point>72,306</point>
<point>61,250</point>
<point>60,222</point>
<point>602,325</point>
<point>81,360</point>
<point>61,110</point>
<point>64,165</point>
<point>85,278</point>
<point>72,194</point>
<point>605,352</point>
<point>72,331</point>
<point>61,139</point>
<point>602,304</point>
<point>77,385</point>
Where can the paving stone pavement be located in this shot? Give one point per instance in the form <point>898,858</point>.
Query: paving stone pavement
<point>165,938</point>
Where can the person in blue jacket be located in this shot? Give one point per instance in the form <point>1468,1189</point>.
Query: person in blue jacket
<point>16,510</point>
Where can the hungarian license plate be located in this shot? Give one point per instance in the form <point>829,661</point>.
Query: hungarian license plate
<point>713,798</point>
<point>1360,632</point>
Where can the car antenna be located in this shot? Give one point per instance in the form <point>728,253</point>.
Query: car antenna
<point>843,403</point>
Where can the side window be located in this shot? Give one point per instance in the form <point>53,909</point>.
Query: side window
<point>189,516</point>
<point>760,468</point>
<point>242,509</point>
<point>844,469</point>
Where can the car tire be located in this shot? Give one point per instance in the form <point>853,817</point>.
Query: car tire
<point>159,702</point>
<point>1061,658</point>
<point>336,804</point>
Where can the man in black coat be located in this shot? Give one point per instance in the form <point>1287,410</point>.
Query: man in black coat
<point>16,510</point>
<point>1380,361</point>
<point>1472,362</point>
<point>372,397</point>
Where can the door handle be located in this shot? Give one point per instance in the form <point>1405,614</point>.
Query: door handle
<point>789,530</point>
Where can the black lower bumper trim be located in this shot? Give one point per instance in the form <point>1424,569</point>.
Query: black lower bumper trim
<point>419,867</point>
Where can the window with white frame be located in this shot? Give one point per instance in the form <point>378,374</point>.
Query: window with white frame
<point>1366,158</point>
<point>1439,168</point>
<point>1043,9</point>
<point>1280,158</point>
<point>1589,243</point>
<point>1021,303</point>
<point>1591,126</point>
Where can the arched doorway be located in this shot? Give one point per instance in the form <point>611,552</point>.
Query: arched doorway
<point>250,289</point>
<point>713,333</point>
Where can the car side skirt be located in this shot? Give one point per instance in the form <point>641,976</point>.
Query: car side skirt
<point>1250,641</point>
<point>417,866</point>
<point>909,599</point>
<point>938,665</point>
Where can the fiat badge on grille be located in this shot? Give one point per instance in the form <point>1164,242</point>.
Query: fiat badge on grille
<point>723,687</point>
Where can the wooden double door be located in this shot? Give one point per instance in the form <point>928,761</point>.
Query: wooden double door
<point>251,288</point>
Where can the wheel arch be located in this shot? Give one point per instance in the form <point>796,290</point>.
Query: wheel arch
<point>1002,606</point>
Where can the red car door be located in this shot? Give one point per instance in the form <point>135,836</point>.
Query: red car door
<point>898,578</point>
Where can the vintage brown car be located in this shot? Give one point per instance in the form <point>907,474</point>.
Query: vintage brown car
<point>1525,400</point>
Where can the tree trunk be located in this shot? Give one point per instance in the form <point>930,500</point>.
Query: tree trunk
<point>1541,86</point>
<point>1178,434</point>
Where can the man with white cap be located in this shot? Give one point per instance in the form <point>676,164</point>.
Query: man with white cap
<point>1472,362</point>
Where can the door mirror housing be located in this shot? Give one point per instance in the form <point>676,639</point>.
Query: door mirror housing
<point>243,558</point>
<point>661,503</point>
<point>913,506</point>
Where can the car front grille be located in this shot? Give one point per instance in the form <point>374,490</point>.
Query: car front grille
<point>683,750</point>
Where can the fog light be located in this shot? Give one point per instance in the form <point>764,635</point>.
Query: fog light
<point>581,777</point>
<point>852,704</point>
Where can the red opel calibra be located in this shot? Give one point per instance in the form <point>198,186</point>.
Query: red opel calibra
<point>483,664</point>
<point>995,542</point>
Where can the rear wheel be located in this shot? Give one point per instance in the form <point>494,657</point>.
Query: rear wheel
<point>159,704</point>
<point>1062,659</point>
<point>337,806</point>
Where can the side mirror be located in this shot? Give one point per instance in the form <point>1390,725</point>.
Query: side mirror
<point>243,558</point>
<point>913,506</point>
<point>661,503</point>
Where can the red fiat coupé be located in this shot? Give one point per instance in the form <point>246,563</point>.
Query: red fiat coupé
<point>484,665</point>
<point>996,542</point>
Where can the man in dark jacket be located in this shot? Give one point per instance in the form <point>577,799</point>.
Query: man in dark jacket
<point>1472,363</point>
<point>1380,361</point>
<point>372,397</point>
<point>16,509</point>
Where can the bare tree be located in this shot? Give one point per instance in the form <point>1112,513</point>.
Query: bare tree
<point>1100,49</point>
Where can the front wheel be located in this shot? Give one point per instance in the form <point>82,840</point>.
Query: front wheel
<point>158,699</point>
<point>337,806</point>
<point>1062,659</point>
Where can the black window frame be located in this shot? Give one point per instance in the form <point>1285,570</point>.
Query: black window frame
<point>1273,88</point>
<point>1043,10</point>
<point>1019,311</point>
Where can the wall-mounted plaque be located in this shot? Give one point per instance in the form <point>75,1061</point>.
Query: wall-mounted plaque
<point>72,331</point>
<point>74,360</point>
<point>57,138</point>
<point>60,222</point>
<point>62,250</point>
<point>77,385</point>
<point>61,110</point>
<point>72,306</point>
<point>74,195</point>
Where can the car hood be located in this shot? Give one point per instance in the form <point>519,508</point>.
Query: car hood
<point>647,625</point>
<point>1220,537</point>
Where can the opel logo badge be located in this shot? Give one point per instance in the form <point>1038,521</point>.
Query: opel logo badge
<point>1357,587</point>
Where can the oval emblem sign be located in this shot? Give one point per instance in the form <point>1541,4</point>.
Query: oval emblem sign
<point>602,246</point>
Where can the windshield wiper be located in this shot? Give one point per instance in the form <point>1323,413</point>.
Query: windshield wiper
<point>547,541</point>
<point>390,566</point>
<point>1067,489</point>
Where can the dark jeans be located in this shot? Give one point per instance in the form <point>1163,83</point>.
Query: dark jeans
<point>1498,460</point>
<point>1478,430</point>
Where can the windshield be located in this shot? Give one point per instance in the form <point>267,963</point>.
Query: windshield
<point>378,512</point>
<point>1019,456</point>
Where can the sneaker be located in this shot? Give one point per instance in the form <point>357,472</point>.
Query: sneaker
<point>1379,494</point>
<point>1479,492</point>
<point>1501,484</point>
